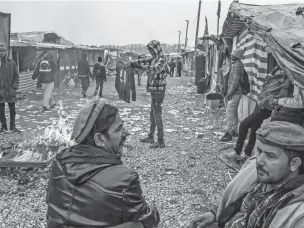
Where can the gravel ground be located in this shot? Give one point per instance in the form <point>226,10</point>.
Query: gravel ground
<point>181,180</point>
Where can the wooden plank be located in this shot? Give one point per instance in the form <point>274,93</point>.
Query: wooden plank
<point>33,164</point>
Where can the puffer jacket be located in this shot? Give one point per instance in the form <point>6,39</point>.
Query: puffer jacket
<point>45,77</point>
<point>90,187</point>
<point>84,69</point>
<point>236,72</point>
<point>9,80</point>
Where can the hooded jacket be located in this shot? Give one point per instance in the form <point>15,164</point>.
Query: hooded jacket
<point>9,80</point>
<point>286,217</point>
<point>47,76</point>
<point>90,187</point>
<point>158,74</point>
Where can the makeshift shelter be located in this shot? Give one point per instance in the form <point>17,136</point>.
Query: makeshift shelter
<point>269,35</point>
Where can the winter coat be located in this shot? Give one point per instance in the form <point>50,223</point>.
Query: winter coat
<point>45,76</point>
<point>286,217</point>
<point>9,80</point>
<point>172,65</point>
<point>90,187</point>
<point>236,72</point>
<point>291,108</point>
<point>84,68</point>
<point>99,72</point>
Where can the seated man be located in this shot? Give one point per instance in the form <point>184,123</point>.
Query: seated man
<point>271,89</point>
<point>89,186</point>
<point>268,192</point>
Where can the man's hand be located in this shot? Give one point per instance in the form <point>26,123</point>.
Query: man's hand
<point>203,220</point>
<point>273,102</point>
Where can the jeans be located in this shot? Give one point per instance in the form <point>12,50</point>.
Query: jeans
<point>254,122</point>
<point>48,94</point>
<point>232,113</point>
<point>99,85</point>
<point>171,71</point>
<point>12,109</point>
<point>156,115</point>
<point>85,83</point>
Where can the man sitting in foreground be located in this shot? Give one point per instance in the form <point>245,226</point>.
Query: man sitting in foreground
<point>268,192</point>
<point>89,186</point>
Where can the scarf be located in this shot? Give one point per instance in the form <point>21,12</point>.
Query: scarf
<point>85,154</point>
<point>262,213</point>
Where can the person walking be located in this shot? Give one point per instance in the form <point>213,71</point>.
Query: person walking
<point>172,66</point>
<point>99,73</point>
<point>84,73</point>
<point>179,67</point>
<point>46,73</point>
<point>9,83</point>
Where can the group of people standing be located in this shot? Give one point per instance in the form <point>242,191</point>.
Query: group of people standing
<point>90,186</point>
<point>279,100</point>
<point>176,64</point>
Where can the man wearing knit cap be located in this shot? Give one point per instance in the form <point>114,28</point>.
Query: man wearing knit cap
<point>268,192</point>
<point>234,95</point>
<point>9,82</point>
<point>89,185</point>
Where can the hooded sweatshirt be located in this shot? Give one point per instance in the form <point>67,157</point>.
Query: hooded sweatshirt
<point>89,187</point>
<point>158,68</point>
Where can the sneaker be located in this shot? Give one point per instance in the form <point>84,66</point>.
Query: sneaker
<point>233,156</point>
<point>226,138</point>
<point>15,130</point>
<point>52,106</point>
<point>235,134</point>
<point>3,130</point>
<point>157,145</point>
<point>44,109</point>
<point>147,140</point>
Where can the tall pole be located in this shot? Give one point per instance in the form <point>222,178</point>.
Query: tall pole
<point>186,38</point>
<point>179,33</point>
<point>197,26</point>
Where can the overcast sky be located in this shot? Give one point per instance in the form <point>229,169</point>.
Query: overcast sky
<point>119,22</point>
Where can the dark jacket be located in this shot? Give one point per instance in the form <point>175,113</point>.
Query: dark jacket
<point>234,86</point>
<point>45,76</point>
<point>90,187</point>
<point>84,68</point>
<point>99,72</point>
<point>9,80</point>
<point>172,64</point>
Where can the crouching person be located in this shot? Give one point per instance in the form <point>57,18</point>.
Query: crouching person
<point>89,185</point>
<point>268,192</point>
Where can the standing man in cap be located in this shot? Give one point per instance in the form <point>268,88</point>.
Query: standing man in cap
<point>99,73</point>
<point>84,73</point>
<point>234,95</point>
<point>46,71</point>
<point>268,192</point>
<point>9,83</point>
<point>89,185</point>
<point>156,85</point>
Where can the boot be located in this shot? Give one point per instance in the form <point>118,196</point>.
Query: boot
<point>147,140</point>
<point>226,138</point>
<point>157,145</point>
<point>3,129</point>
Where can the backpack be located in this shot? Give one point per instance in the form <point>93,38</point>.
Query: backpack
<point>45,66</point>
<point>244,82</point>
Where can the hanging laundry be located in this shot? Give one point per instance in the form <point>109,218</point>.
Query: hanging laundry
<point>125,81</point>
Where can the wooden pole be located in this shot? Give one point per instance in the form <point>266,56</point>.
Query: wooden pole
<point>186,38</point>
<point>197,28</point>
<point>179,33</point>
<point>218,23</point>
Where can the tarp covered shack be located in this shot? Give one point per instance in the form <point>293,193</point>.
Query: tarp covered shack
<point>269,35</point>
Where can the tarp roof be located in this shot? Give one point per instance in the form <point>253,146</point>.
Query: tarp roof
<point>278,26</point>
<point>38,37</point>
